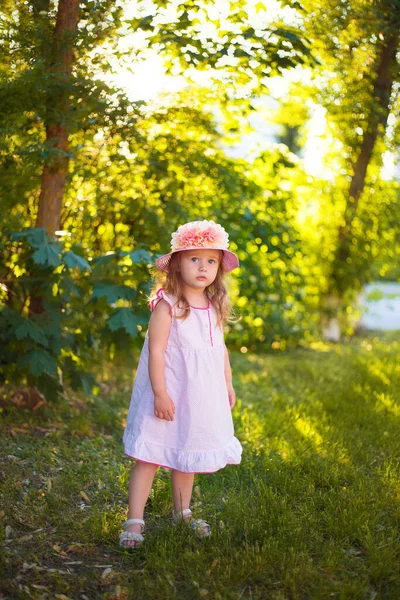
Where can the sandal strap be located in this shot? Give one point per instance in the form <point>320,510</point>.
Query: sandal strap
<point>201,527</point>
<point>133,522</point>
<point>199,523</point>
<point>131,536</point>
<point>181,514</point>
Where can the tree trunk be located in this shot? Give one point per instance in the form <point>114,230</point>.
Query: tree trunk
<point>378,116</point>
<point>55,170</point>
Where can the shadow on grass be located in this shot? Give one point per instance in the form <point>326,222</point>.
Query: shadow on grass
<point>312,511</point>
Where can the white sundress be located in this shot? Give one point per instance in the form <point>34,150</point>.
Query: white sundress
<point>201,438</point>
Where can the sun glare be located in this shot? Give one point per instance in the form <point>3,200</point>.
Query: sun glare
<point>146,79</point>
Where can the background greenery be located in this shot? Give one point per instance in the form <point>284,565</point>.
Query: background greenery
<point>104,180</point>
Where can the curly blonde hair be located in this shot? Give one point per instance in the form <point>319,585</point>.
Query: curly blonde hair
<point>217,293</point>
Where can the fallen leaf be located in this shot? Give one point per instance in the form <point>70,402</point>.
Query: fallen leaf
<point>84,496</point>
<point>121,593</point>
<point>61,571</point>
<point>38,405</point>
<point>28,398</point>
<point>78,547</point>
<point>49,484</point>
<point>39,587</point>
<point>106,572</point>
<point>25,538</point>
<point>27,566</point>
<point>213,565</point>
<point>9,532</point>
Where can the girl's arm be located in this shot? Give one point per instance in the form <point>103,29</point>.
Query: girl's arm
<point>228,378</point>
<point>159,326</point>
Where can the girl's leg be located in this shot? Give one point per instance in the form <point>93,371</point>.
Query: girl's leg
<point>182,486</point>
<point>140,482</point>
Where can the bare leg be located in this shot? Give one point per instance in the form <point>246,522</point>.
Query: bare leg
<point>182,486</point>
<point>140,482</point>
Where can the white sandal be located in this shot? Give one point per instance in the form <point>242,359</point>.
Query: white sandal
<point>131,535</point>
<point>200,527</point>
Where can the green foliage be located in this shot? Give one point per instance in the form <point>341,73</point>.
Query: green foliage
<point>138,171</point>
<point>349,38</point>
<point>180,174</point>
<point>209,36</point>
<point>29,90</point>
<point>56,310</point>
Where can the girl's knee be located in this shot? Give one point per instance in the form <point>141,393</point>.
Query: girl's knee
<point>145,466</point>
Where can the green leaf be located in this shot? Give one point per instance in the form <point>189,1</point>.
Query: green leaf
<point>141,256</point>
<point>73,261</point>
<point>104,264</point>
<point>123,318</point>
<point>69,287</point>
<point>144,24</point>
<point>28,329</point>
<point>87,382</point>
<point>112,293</point>
<point>36,236</point>
<point>47,255</point>
<point>39,362</point>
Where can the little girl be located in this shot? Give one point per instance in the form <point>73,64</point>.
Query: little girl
<point>180,411</point>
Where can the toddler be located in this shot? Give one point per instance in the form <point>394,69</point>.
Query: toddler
<point>180,411</point>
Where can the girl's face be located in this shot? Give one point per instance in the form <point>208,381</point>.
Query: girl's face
<point>199,268</point>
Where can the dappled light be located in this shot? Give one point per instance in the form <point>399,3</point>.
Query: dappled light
<point>308,431</point>
<point>121,121</point>
<point>386,402</point>
<point>319,433</point>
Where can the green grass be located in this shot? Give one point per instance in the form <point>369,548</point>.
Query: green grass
<point>312,512</point>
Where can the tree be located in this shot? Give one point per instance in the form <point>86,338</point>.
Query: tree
<point>56,51</point>
<point>356,45</point>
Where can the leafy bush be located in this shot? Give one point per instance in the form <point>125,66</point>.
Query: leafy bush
<point>59,305</point>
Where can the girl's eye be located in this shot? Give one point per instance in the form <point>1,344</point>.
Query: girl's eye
<point>211,261</point>
<point>194,258</point>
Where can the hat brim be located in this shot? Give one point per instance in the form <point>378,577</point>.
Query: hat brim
<point>229,259</point>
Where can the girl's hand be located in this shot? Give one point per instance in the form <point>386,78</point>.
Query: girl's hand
<point>231,395</point>
<point>164,408</point>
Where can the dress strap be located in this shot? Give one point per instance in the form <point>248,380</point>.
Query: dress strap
<point>160,295</point>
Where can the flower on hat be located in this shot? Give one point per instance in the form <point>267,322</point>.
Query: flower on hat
<point>199,234</point>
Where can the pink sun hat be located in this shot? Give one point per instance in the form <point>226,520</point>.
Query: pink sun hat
<point>200,235</point>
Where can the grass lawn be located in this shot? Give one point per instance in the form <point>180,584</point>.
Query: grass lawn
<point>313,511</point>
